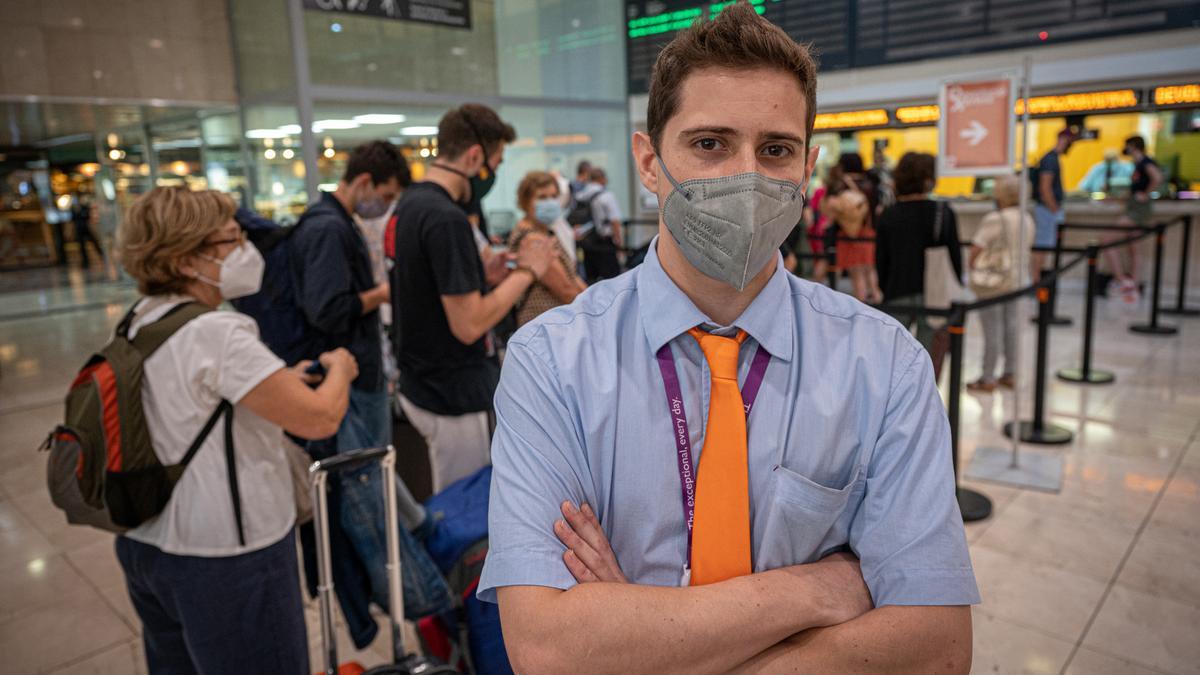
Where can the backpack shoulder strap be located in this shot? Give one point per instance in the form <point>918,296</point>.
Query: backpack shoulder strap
<point>151,337</point>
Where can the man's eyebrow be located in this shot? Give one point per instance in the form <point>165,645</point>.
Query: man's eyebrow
<point>730,131</point>
<point>724,131</point>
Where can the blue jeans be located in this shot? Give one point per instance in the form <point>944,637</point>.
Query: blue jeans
<point>358,538</point>
<point>239,614</point>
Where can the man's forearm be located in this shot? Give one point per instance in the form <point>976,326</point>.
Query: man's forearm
<point>890,639</point>
<point>607,627</point>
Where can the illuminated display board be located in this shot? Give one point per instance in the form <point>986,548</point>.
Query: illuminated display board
<point>1177,94</point>
<point>1087,101</point>
<point>877,32</point>
<point>851,119</point>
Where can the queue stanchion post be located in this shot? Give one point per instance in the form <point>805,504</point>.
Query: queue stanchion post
<point>1181,308</point>
<point>1085,374</point>
<point>973,505</point>
<point>1038,430</point>
<point>1154,327</point>
<point>1055,319</point>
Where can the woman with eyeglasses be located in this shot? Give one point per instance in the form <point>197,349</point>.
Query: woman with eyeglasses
<point>213,577</point>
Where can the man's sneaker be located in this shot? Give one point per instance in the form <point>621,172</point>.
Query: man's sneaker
<point>981,385</point>
<point>1006,381</point>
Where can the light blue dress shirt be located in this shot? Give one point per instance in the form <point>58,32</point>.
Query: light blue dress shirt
<point>848,440</point>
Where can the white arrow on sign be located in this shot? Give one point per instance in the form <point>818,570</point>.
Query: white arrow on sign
<point>974,133</point>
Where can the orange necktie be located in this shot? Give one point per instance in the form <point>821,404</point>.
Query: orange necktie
<point>721,532</point>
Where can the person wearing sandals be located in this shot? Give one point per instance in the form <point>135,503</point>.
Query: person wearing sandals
<point>538,197</point>
<point>995,267</point>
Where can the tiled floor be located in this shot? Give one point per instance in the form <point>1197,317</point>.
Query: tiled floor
<point>1103,577</point>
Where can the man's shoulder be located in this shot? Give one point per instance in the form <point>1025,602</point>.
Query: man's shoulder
<point>426,205</point>
<point>863,331</point>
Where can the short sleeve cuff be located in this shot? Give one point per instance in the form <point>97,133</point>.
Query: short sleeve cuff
<point>924,587</point>
<point>523,568</point>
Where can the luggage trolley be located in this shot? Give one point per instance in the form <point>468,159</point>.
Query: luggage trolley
<point>402,663</point>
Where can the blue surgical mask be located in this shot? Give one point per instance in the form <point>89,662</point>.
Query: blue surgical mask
<point>546,211</point>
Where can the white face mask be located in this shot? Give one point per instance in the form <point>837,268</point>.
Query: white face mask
<point>241,272</point>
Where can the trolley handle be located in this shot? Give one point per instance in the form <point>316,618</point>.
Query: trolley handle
<point>347,460</point>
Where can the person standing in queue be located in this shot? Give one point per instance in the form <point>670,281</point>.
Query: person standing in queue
<point>210,601</point>
<point>1144,181</point>
<point>601,238</point>
<point>336,287</point>
<point>445,307</point>
<point>1048,194</point>
<point>820,532</point>
<point>538,198</point>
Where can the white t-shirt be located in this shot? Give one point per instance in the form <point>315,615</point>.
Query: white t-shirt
<point>999,228</point>
<point>213,357</point>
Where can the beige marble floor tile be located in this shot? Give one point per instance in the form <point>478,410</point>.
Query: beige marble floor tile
<point>1148,629</point>
<point>1179,509</point>
<point>1085,548</point>
<point>52,523</point>
<point>1043,597</point>
<point>98,564</point>
<point>1002,646</point>
<point>20,541</point>
<point>1166,565</point>
<point>80,626</point>
<point>118,660</point>
<point>1091,662</point>
<point>39,583</point>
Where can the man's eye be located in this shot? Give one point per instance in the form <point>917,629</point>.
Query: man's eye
<point>777,150</point>
<point>708,144</point>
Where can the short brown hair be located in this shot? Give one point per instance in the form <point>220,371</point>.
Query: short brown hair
<point>914,174</point>
<point>472,124</point>
<point>531,183</point>
<point>737,38</point>
<point>163,227</point>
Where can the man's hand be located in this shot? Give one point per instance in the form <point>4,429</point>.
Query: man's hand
<point>307,378</point>
<point>588,556</point>
<point>495,267</point>
<point>536,252</point>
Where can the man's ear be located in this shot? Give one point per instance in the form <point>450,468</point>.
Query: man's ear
<point>645,159</point>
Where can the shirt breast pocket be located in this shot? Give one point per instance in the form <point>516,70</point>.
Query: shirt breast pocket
<point>805,520</point>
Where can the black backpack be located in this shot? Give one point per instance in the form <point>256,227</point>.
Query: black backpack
<point>281,322</point>
<point>581,210</point>
<point>102,469</point>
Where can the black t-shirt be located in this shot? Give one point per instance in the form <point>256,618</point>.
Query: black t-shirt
<point>902,234</point>
<point>1050,165</point>
<point>1140,180</point>
<point>436,255</point>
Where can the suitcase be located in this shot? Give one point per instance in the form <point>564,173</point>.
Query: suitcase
<point>402,662</point>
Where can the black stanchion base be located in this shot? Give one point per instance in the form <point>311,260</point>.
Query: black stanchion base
<point>1050,434</point>
<point>1055,321</point>
<point>973,505</point>
<point>1175,311</point>
<point>1147,329</point>
<point>1093,377</point>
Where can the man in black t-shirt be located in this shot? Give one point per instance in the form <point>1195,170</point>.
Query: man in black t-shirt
<point>440,291</point>
<point>1146,178</point>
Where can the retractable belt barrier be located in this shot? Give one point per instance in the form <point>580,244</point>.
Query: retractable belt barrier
<point>975,506</point>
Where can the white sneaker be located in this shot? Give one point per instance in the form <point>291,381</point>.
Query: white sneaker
<point>1129,292</point>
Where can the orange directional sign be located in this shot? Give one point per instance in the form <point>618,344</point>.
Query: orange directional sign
<point>975,131</point>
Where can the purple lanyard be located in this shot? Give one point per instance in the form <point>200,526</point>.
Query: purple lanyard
<point>683,442</point>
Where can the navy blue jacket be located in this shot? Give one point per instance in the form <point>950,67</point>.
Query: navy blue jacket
<point>330,267</point>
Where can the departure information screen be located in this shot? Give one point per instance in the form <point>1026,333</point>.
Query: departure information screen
<point>857,33</point>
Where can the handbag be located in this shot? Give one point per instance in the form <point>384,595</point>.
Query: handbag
<point>942,285</point>
<point>993,269</point>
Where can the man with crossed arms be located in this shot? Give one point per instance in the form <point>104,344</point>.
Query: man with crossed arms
<point>820,531</point>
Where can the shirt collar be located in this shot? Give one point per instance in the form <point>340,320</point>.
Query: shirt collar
<point>667,312</point>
